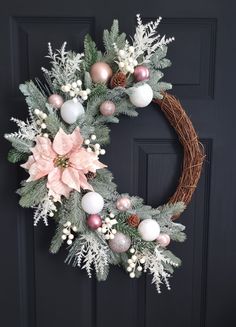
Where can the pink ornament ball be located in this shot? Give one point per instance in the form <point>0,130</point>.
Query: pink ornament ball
<point>100,72</point>
<point>120,243</point>
<point>107,108</point>
<point>163,239</point>
<point>94,221</point>
<point>123,204</point>
<point>141,73</point>
<point>56,101</point>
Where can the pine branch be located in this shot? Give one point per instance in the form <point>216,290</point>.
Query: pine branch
<point>32,193</point>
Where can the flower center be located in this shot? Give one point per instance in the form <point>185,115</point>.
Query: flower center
<point>61,161</point>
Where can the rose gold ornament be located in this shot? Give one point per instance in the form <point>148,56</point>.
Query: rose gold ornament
<point>163,239</point>
<point>141,73</point>
<point>120,243</point>
<point>56,101</point>
<point>123,204</point>
<point>101,72</point>
<point>107,108</point>
<point>94,221</point>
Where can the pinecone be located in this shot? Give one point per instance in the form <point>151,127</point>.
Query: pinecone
<point>133,220</point>
<point>118,79</point>
<point>90,175</point>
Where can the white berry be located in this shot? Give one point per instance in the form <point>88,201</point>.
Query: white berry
<point>132,275</point>
<point>36,111</point>
<point>102,151</point>
<point>69,242</point>
<point>63,237</point>
<point>93,137</point>
<point>43,126</point>
<point>74,228</point>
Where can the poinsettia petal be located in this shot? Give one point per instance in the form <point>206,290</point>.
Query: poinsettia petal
<point>43,149</point>
<point>36,173</point>
<point>62,143</point>
<point>84,182</point>
<point>55,183</point>
<point>70,177</point>
<point>28,163</point>
<point>77,138</point>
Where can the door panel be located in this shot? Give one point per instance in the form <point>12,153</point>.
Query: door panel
<point>37,288</point>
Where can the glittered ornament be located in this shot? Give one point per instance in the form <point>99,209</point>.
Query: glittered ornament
<point>120,243</point>
<point>107,108</point>
<point>133,220</point>
<point>141,96</point>
<point>141,73</point>
<point>94,221</point>
<point>56,101</point>
<point>101,72</point>
<point>163,239</point>
<point>70,111</point>
<point>118,79</point>
<point>92,202</point>
<point>123,204</point>
<point>149,229</point>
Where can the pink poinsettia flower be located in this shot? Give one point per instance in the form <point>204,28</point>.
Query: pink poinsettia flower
<point>64,161</point>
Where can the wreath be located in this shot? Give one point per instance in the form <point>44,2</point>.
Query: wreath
<point>61,142</point>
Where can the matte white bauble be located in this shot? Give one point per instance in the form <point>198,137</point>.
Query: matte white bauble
<point>92,203</point>
<point>141,96</point>
<point>70,111</point>
<point>149,229</point>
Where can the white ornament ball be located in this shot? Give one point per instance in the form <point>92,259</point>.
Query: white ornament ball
<point>70,111</point>
<point>149,229</point>
<point>141,96</point>
<point>92,203</point>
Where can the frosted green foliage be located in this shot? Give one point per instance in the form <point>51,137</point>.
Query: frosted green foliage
<point>88,83</point>
<point>173,258</point>
<point>90,252</point>
<point>158,59</point>
<point>174,230</point>
<point>103,184</point>
<point>57,241</point>
<point>66,67</point>
<point>34,98</point>
<point>15,156</point>
<point>32,193</point>
<point>21,145</point>
<point>54,123</point>
<point>70,210</point>
<point>91,54</point>
<point>111,38</point>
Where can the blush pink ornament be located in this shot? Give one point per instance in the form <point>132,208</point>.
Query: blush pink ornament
<point>107,108</point>
<point>123,204</point>
<point>101,72</point>
<point>64,161</point>
<point>120,243</point>
<point>56,100</point>
<point>163,239</point>
<point>141,73</point>
<point>94,221</point>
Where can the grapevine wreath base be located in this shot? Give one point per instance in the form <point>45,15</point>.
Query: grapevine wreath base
<point>61,142</point>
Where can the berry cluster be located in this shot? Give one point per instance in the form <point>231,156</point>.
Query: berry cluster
<point>67,232</point>
<point>94,147</point>
<point>107,227</point>
<point>75,89</point>
<point>135,262</point>
<point>41,116</point>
